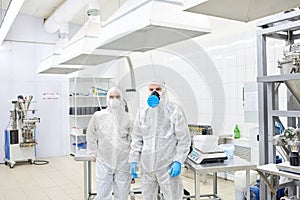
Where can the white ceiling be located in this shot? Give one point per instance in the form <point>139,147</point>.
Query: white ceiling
<point>44,8</point>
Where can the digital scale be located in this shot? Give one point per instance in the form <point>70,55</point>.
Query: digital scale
<point>199,157</point>
<point>205,150</point>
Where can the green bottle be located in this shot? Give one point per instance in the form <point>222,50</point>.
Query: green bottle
<point>236,131</point>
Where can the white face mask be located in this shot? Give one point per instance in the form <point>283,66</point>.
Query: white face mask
<point>114,103</point>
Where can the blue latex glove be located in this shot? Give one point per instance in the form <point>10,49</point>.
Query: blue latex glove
<point>175,169</point>
<point>133,170</point>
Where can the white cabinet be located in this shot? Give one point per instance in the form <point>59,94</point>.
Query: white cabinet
<point>86,96</point>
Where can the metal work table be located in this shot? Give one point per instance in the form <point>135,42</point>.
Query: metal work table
<point>271,169</point>
<point>237,164</point>
<point>82,155</point>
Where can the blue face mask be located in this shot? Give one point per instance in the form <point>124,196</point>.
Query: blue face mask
<point>153,99</point>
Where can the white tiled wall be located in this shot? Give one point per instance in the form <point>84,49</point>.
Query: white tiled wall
<point>231,57</point>
<point>234,57</point>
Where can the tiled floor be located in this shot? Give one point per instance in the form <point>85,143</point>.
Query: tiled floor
<point>62,179</point>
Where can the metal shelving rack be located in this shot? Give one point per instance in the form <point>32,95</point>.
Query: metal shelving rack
<point>282,27</point>
<point>84,100</point>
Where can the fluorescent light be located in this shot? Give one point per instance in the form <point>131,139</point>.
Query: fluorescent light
<point>9,17</point>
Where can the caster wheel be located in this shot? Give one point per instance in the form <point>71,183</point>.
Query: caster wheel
<point>6,163</point>
<point>31,161</point>
<point>11,166</point>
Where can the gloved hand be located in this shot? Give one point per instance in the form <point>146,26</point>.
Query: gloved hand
<point>175,169</point>
<point>133,170</point>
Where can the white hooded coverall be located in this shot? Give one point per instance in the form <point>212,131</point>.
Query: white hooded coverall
<point>160,136</point>
<point>108,139</point>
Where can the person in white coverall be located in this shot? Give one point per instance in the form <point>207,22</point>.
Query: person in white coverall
<point>108,142</point>
<point>160,144</point>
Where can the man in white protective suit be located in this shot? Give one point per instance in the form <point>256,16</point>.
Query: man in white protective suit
<point>160,144</point>
<point>108,143</point>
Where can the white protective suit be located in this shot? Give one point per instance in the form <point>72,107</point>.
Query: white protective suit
<point>160,136</point>
<point>108,139</point>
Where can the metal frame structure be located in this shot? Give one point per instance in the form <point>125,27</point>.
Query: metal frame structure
<point>283,27</point>
<point>236,164</point>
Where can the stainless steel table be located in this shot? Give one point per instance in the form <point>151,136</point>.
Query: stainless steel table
<point>82,155</point>
<point>271,169</point>
<point>237,164</point>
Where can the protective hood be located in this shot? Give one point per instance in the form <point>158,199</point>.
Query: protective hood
<point>163,94</point>
<point>109,101</point>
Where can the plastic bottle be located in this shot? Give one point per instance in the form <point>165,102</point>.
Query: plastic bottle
<point>236,131</point>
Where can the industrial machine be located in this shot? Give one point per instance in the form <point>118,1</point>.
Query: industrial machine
<point>290,64</point>
<point>287,140</point>
<point>20,139</point>
<point>289,144</point>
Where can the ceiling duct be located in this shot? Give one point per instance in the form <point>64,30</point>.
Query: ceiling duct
<point>138,25</point>
<point>245,10</point>
<point>63,14</point>
<point>57,22</point>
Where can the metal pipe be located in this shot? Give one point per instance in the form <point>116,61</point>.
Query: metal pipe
<point>63,14</point>
<point>132,76</point>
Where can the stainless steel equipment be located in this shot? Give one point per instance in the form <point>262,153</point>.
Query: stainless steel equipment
<point>284,27</point>
<point>289,65</point>
<point>20,139</point>
<point>289,141</point>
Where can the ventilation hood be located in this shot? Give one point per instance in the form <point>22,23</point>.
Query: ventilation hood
<point>141,25</point>
<point>82,52</point>
<point>50,65</point>
<point>245,10</point>
<point>138,25</point>
<point>79,53</point>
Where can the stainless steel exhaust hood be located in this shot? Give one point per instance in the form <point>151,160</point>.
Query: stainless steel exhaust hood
<point>245,10</point>
<point>138,25</point>
<point>50,65</point>
<point>141,25</point>
<point>79,53</point>
<point>82,52</point>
